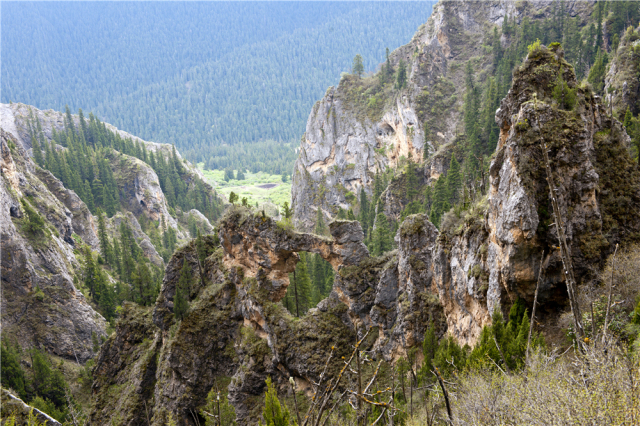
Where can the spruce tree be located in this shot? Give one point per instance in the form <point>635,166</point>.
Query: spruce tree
<point>627,119</point>
<point>11,374</point>
<point>363,216</point>
<point>286,210</point>
<point>274,413</point>
<point>382,239</point>
<point>181,299</point>
<point>321,227</point>
<point>303,285</point>
<point>440,203</point>
<point>454,182</point>
<point>427,135</point>
<point>37,152</point>
<point>401,79</point>
<point>429,349</point>
<point>358,67</point>
<point>88,195</point>
<point>105,247</point>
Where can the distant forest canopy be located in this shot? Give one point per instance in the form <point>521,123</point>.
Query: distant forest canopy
<point>231,84</point>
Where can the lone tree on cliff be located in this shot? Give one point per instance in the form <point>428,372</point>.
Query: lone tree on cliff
<point>358,67</point>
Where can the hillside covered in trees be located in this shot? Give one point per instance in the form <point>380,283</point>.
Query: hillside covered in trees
<point>462,245</point>
<point>234,95</point>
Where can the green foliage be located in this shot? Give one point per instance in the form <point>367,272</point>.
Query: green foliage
<point>401,77</point>
<point>300,294</point>
<point>233,198</point>
<point>274,413</point>
<point>48,381</point>
<point>183,289</point>
<point>511,337</point>
<point>357,68</point>
<point>252,119</point>
<point>34,226</point>
<point>598,71</point>
<point>454,181</point>
<point>627,119</point>
<point>48,407</point>
<point>563,95</point>
<point>11,374</point>
<point>219,402</point>
<point>286,210</point>
<point>320,228</point>
<point>533,47</point>
<point>440,203</point>
<point>429,349</point>
<point>382,239</point>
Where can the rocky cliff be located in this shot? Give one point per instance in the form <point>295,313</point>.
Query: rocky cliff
<point>40,304</point>
<point>622,87</point>
<point>367,124</point>
<point>490,255</point>
<point>41,301</point>
<point>234,295</point>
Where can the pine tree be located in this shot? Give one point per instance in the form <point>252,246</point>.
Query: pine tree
<point>627,119</point>
<point>440,203</point>
<point>105,247</point>
<point>358,67</point>
<point>88,195</point>
<point>427,136</point>
<point>286,211</point>
<point>303,285</point>
<point>454,182</point>
<point>274,413</point>
<point>181,299</point>
<point>598,71</point>
<point>411,181</point>
<point>12,375</point>
<point>388,68</point>
<point>382,239</point>
<point>321,227</point>
<point>37,152</point>
<point>401,79</point>
<point>363,217</point>
<point>429,349</point>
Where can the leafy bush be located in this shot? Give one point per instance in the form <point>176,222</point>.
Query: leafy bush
<point>533,47</point>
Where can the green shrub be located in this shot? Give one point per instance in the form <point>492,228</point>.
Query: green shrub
<point>563,95</point>
<point>534,46</point>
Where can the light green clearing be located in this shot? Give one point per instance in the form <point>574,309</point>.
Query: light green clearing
<point>251,186</point>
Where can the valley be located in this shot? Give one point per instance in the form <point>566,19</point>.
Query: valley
<point>452,238</point>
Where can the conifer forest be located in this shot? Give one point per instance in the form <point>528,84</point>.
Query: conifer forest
<point>320,213</point>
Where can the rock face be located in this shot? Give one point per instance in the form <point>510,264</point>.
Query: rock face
<point>622,87</point>
<point>491,256</point>
<point>361,127</point>
<point>40,305</point>
<point>140,189</point>
<point>236,329</point>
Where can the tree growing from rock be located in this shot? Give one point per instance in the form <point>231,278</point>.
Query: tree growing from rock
<point>357,67</point>
<point>181,299</point>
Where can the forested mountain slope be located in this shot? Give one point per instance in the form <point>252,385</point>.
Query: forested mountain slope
<point>89,217</point>
<point>435,96</point>
<point>456,283</point>
<point>212,78</point>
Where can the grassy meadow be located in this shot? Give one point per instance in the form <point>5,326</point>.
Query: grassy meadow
<point>258,187</point>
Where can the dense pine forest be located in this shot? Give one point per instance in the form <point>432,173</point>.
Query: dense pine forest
<point>234,95</point>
